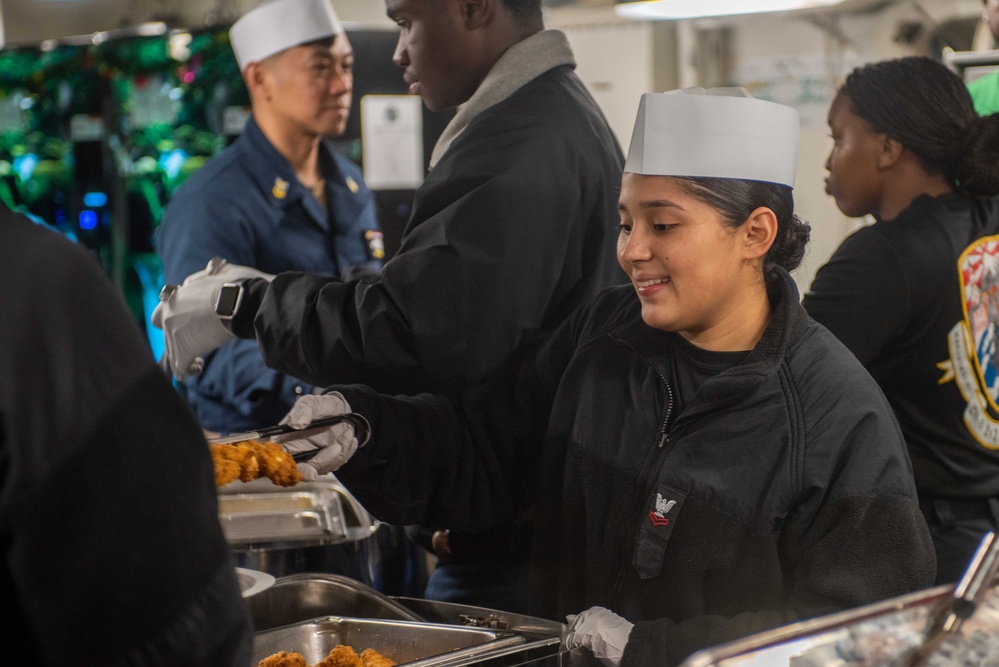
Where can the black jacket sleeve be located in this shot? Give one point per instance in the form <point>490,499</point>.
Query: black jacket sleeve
<point>466,462</point>
<point>109,535</point>
<point>506,231</point>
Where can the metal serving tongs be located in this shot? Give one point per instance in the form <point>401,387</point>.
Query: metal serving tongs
<point>361,426</point>
<point>968,594</point>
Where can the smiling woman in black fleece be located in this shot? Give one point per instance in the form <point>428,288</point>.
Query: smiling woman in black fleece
<point>698,458</point>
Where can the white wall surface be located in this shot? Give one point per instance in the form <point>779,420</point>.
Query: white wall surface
<point>615,60</point>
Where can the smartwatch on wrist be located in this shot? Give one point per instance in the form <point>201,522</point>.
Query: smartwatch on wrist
<point>228,301</point>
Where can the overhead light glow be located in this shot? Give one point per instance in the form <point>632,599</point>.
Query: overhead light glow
<point>689,9</point>
<point>151,28</point>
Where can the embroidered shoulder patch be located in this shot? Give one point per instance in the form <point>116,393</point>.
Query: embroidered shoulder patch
<point>973,343</point>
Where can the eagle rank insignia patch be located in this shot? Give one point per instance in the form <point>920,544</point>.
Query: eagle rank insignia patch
<point>659,514</point>
<point>654,533</point>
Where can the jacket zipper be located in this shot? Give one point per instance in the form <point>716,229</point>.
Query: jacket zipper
<point>663,447</point>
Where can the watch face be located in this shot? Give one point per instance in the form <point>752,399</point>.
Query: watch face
<point>229,298</point>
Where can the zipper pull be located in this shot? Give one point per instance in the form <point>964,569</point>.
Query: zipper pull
<point>662,440</point>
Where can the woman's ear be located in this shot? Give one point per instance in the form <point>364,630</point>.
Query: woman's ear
<point>759,232</point>
<point>889,152</point>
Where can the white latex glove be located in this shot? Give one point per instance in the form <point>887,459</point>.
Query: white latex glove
<point>601,631</point>
<point>191,329</point>
<point>334,444</point>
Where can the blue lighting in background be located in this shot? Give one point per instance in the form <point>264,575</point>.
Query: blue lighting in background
<point>88,220</point>
<point>25,165</point>
<point>95,199</point>
<point>150,272</point>
<point>172,161</point>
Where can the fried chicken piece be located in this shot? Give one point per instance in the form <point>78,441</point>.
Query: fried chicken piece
<point>372,658</point>
<point>249,465</point>
<point>340,656</point>
<point>283,659</point>
<point>249,460</point>
<point>225,471</point>
<point>226,462</point>
<point>240,454</point>
<point>278,465</point>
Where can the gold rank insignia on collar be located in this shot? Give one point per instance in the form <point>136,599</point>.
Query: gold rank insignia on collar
<point>376,244</point>
<point>352,185</point>
<point>280,189</point>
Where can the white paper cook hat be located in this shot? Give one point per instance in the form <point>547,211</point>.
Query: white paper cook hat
<point>719,132</point>
<point>281,24</point>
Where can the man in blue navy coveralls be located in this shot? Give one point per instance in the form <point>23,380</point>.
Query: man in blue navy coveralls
<point>279,199</point>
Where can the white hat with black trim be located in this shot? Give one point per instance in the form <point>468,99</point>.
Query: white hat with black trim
<point>718,132</point>
<point>277,25</point>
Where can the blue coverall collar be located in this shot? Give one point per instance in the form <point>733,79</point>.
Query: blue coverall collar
<point>276,175</point>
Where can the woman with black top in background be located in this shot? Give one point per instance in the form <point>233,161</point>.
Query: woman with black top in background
<point>914,295</point>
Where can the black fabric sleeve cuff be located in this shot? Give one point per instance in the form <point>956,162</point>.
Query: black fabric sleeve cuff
<point>253,295</point>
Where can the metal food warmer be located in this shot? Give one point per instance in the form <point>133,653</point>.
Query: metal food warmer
<point>313,526</point>
<point>275,534</point>
<point>309,613</point>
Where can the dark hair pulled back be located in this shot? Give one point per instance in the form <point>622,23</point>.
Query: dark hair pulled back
<point>927,108</point>
<point>736,199</point>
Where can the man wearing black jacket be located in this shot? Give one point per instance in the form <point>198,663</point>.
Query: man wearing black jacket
<point>513,228</point>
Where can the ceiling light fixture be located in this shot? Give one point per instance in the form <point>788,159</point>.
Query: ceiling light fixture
<point>689,9</point>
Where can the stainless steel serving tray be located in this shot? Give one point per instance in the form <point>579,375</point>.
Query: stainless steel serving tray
<point>259,514</point>
<point>871,636</point>
<point>410,643</point>
<point>450,613</point>
<point>301,597</point>
<point>542,645</point>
